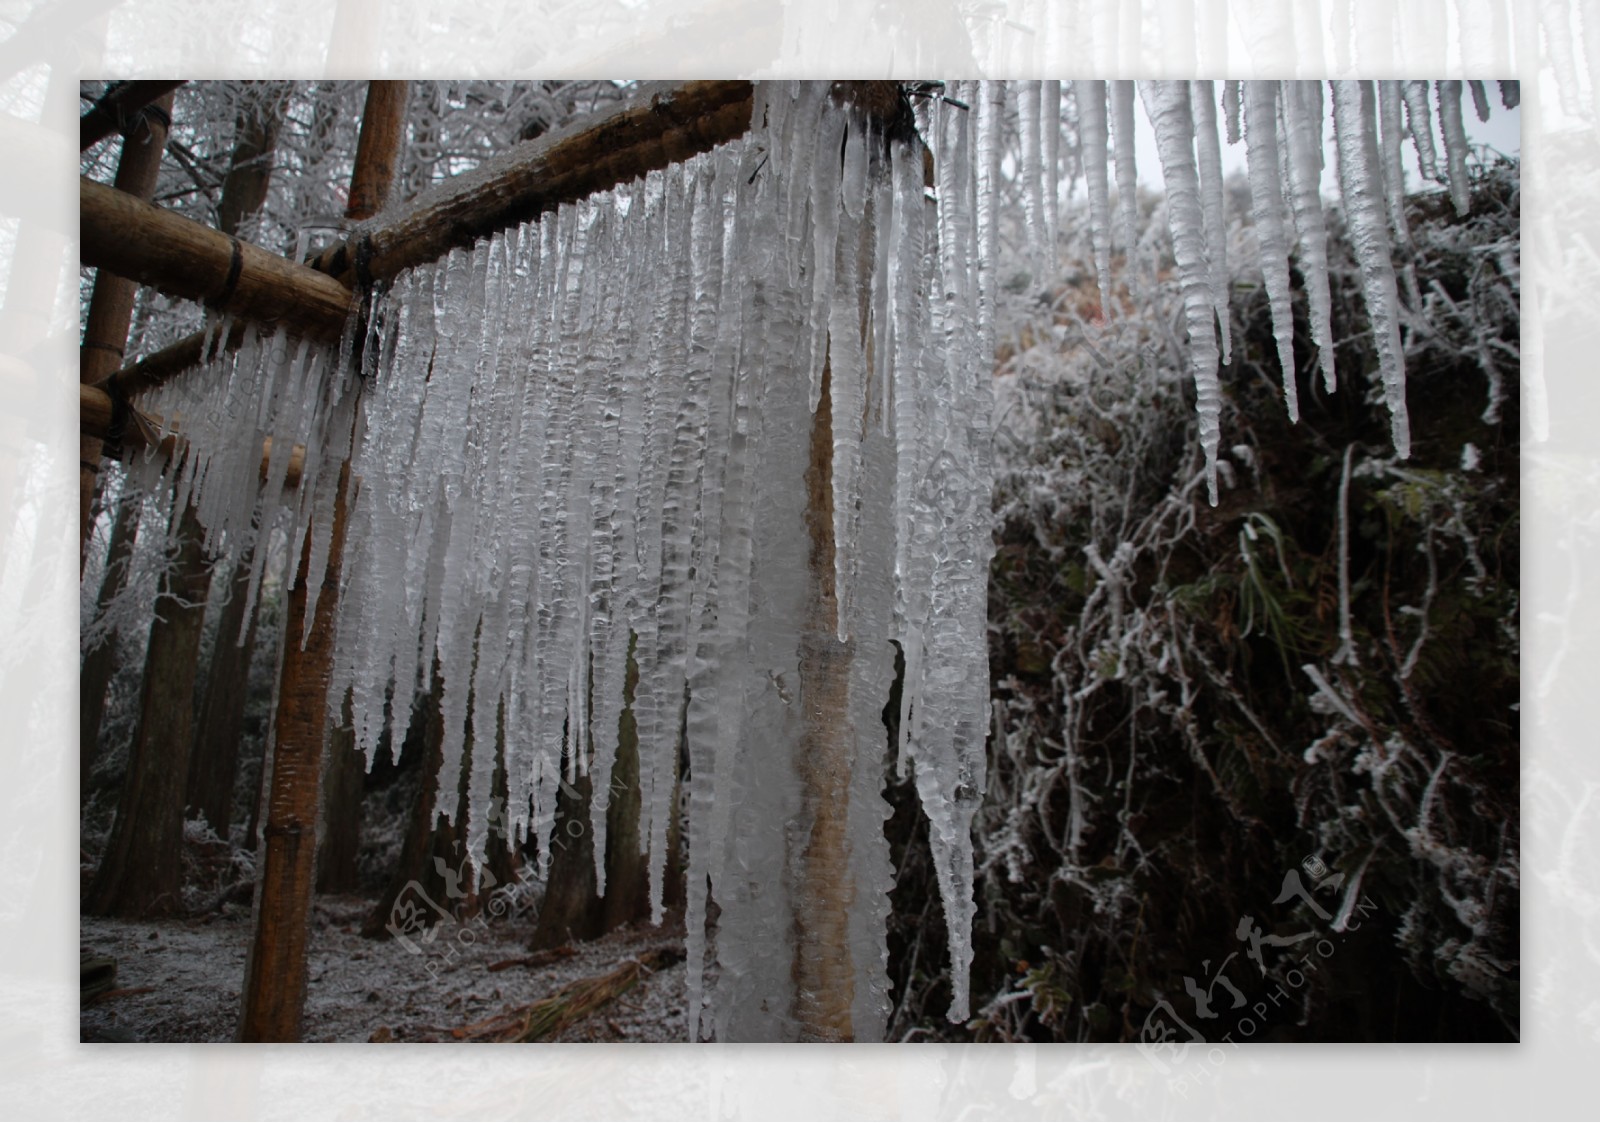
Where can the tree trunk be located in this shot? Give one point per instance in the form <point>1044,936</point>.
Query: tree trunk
<point>344,779</point>
<point>390,915</point>
<point>627,875</point>
<point>275,977</point>
<point>244,188</point>
<point>823,969</point>
<point>572,909</point>
<point>215,761</point>
<point>100,666</point>
<point>105,332</point>
<point>141,873</point>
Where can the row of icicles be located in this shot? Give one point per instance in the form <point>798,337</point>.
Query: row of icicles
<point>1282,125</point>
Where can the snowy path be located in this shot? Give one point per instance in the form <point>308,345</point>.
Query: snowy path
<point>358,985</point>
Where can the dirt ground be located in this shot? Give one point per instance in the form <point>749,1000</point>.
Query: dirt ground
<point>180,980</point>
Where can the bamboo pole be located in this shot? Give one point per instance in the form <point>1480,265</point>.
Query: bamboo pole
<point>95,413</point>
<point>105,333</point>
<point>120,107</point>
<point>275,979</point>
<point>383,123</point>
<point>533,178</point>
<point>668,124</point>
<point>824,971</point>
<point>344,769</point>
<point>183,258</point>
<point>275,975</point>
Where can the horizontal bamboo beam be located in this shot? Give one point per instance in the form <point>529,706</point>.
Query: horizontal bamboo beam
<point>118,107</point>
<point>95,414</point>
<point>670,124</point>
<point>161,366</point>
<point>181,257</point>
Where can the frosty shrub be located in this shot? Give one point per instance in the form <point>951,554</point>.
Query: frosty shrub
<point>1321,673</point>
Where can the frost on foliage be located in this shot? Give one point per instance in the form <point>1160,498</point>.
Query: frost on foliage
<point>589,434</point>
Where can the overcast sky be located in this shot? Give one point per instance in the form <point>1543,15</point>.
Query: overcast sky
<point>1502,132</point>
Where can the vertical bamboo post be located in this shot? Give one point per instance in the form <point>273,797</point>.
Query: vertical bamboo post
<point>111,305</point>
<point>344,772</point>
<point>378,149</point>
<point>275,977</point>
<point>823,970</point>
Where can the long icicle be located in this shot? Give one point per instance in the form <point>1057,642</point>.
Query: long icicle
<point>1167,103</point>
<point>1266,202</point>
<point>1361,185</point>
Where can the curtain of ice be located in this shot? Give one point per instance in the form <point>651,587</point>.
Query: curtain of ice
<point>592,432</point>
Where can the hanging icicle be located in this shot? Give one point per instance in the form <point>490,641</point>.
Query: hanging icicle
<point>1301,107</point>
<point>1455,144</point>
<point>1122,136</point>
<point>1091,98</point>
<point>1209,163</point>
<point>1361,184</point>
<point>1266,204</point>
<point>1168,106</point>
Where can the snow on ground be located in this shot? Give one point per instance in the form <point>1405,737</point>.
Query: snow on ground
<point>359,987</point>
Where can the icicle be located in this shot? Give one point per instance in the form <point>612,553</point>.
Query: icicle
<point>1028,94</point>
<point>1230,109</point>
<point>1480,100</point>
<point>1391,133</point>
<point>1266,202</point>
<point>1209,163</point>
<point>1092,129</point>
<point>831,131</point>
<point>1419,119</point>
<point>1362,190</point>
<point>991,117</point>
<point>1127,172</point>
<point>1510,93</point>
<point>1305,176</point>
<point>1455,145</point>
<point>1050,122</point>
<point>1167,104</point>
